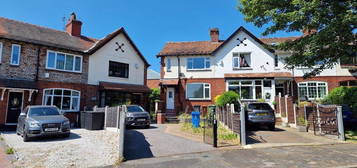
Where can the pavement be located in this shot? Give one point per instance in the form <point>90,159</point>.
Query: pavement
<point>155,142</point>
<point>4,158</point>
<point>336,155</point>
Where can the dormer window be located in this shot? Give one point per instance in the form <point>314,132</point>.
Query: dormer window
<point>241,60</point>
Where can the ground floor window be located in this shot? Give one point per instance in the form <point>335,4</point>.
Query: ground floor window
<point>64,99</point>
<point>198,91</point>
<point>312,90</point>
<point>349,83</point>
<point>116,98</point>
<point>249,89</point>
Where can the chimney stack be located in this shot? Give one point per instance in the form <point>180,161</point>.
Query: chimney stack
<point>74,26</point>
<point>214,33</point>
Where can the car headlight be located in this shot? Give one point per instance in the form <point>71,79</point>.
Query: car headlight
<point>66,122</point>
<point>129,115</point>
<point>34,124</point>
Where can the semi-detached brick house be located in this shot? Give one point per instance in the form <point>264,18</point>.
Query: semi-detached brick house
<point>194,73</point>
<point>39,65</point>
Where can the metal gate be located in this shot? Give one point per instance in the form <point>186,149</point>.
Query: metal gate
<point>325,120</point>
<point>210,128</point>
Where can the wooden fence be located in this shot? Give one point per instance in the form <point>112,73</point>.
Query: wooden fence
<point>229,118</point>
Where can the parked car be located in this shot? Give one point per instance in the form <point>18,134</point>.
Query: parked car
<point>137,116</point>
<point>36,121</point>
<point>260,114</point>
<point>349,121</point>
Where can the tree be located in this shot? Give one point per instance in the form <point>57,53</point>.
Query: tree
<point>332,25</point>
<point>154,96</point>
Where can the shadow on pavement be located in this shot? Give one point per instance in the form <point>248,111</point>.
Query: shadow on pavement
<point>136,146</point>
<point>48,138</point>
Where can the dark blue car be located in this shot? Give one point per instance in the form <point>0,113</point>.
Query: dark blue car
<point>348,120</point>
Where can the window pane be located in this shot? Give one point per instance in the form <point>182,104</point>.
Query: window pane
<point>267,83</point>
<point>48,100</point>
<point>247,92</point>
<point>199,63</point>
<point>75,104</point>
<point>57,101</point>
<point>234,83</point>
<point>235,62</point>
<point>302,92</point>
<point>312,92</point>
<point>67,92</point>
<point>118,69</point>
<point>48,92</point>
<point>207,92</point>
<point>51,60</point>
<point>189,63</point>
<point>58,92</point>
<point>15,55</point>
<point>258,92</point>
<point>208,63</point>
<point>245,60</point>
<point>311,84</point>
<point>60,61</point>
<point>195,90</point>
<point>246,82</point>
<point>234,88</point>
<point>168,64</point>
<point>77,64</point>
<point>69,62</point>
<point>322,92</point>
<point>258,82</point>
<point>66,103</point>
<point>75,93</point>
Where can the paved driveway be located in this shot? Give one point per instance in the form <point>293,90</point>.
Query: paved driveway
<point>154,142</point>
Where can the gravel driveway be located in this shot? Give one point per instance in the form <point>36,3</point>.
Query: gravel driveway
<point>154,142</point>
<point>82,149</point>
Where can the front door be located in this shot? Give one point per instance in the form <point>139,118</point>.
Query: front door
<point>14,107</point>
<point>170,98</point>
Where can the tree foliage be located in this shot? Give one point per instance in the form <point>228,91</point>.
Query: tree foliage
<point>154,96</point>
<point>229,97</point>
<point>334,23</point>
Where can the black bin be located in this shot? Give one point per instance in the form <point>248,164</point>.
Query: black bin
<point>94,120</point>
<point>82,119</point>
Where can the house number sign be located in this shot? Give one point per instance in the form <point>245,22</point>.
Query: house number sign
<point>120,47</point>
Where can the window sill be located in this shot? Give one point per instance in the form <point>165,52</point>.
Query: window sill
<point>58,70</point>
<point>193,70</point>
<point>15,65</point>
<point>243,68</point>
<point>197,99</point>
<point>116,77</point>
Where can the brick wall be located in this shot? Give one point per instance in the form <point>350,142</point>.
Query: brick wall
<point>153,83</point>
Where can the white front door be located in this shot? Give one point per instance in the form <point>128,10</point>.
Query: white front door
<point>170,98</point>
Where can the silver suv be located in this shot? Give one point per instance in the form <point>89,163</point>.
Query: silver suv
<point>260,114</point>
<point>35,121</point>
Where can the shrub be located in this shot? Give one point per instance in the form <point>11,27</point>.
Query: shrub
<point>154,96</point>
<point>229,97</point>
<point>343,95</point>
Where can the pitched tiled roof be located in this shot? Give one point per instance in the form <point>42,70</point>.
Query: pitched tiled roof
<point>208,47</point>
<point>189,48</point>
<point>21,31</point>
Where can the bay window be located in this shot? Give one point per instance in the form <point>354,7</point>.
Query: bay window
<point>63,61</point>
<point>247,89</point>
<point>64,99</point>
<point>312,90</point>
<point>198,91</point>
<point>198,63</point>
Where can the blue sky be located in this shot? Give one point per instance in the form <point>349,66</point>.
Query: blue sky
<point>150,23</point>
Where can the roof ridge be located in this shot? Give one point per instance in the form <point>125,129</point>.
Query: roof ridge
<point>22,22</point>
<point>279,37</point>
<point>188,41</point>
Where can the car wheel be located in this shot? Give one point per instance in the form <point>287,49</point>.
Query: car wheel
<point>25,138</point>
<point>271,127</point>
<point>147,126</point>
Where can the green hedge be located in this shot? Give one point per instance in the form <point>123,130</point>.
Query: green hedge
<point>229,97</point>
<point>343,95</point>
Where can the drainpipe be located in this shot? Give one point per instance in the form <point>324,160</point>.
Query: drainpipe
<point>179,79</point>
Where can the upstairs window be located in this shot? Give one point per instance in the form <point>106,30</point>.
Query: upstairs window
<point>198,91</point>
<point>64,62</point>
<point>276,60</point>
<point>241,60</point>
<point>118,69</point>
<point>0,51</point>
<point>15,54</point>
<point>168,65</point>
<point>198,63</point>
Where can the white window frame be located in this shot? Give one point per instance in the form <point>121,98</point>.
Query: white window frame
<point>236,55</point>
<point>204,93</point>
<point>1,49</point>
<point>53,95</point>
<point>317,90</point>
<point>12,53</point>
<point>65,57</point>
<point>253,85</point>
<point>168,64</point>
<point>206,59</point>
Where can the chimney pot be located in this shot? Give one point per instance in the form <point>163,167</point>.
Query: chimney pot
<point>214,33</point>
<point>74,26</point>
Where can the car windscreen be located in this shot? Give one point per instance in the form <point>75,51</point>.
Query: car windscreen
<point>259,106</point>
<point>134,109</point>
<point>43,111</point>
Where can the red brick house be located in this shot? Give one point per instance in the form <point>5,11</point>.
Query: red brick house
<point>194,73</point>
<point>39,65</point>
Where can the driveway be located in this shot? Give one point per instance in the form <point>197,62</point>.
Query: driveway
<point>82,149</point>
<point>155,142</point>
